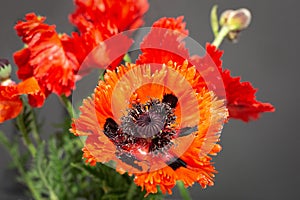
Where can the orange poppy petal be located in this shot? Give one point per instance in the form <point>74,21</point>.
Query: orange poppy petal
<point>45,57</point>
<point>133,84</point>
<point>9,108</point>
<point>10,102</point>
<point>36,96</point>
<point>199,168</point>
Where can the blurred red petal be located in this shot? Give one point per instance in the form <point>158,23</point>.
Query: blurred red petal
<point>32,26</point>
<point>21,58</point>
<point>9,108</point>
<point>175,24</point>
<point>45,57</point>
<point>241,99</point>
<point>164,42</point>
<point>31,87</point>
<point>10,102</point>
<point>110,17</point>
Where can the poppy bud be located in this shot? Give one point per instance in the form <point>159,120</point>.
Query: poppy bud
<point>236,20</point>
<point>5,69</point>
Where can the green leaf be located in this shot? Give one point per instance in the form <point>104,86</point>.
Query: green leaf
<point>214,20</point>
<point>4,141</point>
<point>58,172</point>
<point>131,191</point>
<point>40,164</point>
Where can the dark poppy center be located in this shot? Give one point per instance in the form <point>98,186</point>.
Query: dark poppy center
<point>147,129</point>
<point>148,120</point>
<point>144,120</point>
<point>150,125</point>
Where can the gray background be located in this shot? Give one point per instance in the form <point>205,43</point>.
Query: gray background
<point>259,160</point>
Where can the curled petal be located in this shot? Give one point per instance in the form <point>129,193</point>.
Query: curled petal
<point>164,42</point>
<point>10,102</point>
<point>45,57</point>
<point>241,99</point>
<point>110,17</point>
<point>10,108</point>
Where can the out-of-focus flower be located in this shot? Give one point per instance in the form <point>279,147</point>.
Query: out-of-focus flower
<point>98,20</point>
<point>157,139</point>
<point>5,71</point>
<point>241,100</point>
<point>10,93</point>
<point>94,53</point>
<point>169,46</point>
<point>45,56</point>
<point>109,17</point>
<point>236,20</point>
<point>54,59</point>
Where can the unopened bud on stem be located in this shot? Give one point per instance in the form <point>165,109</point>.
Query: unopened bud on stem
<point>236,20</point>
<point>5,69</point>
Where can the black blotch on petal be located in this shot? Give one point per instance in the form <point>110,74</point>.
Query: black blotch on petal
<point>175,163</point>
<point>170,99</point>
<point>187,130</point>
<point>129,159</point>
<point>110,128</point>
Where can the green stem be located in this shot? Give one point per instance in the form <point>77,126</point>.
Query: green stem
<point>25,135</point>
<point>131,191</point>
<point>221,35</point>
<point>30,184</point>
<point>34,127</point>
<point>44,180</point>
<point>16,160</point>
<point>68,105</point>
<point>183,191</point>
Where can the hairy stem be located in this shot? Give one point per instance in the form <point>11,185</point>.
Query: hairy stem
<point>25,135</point>
<point>13,151</point>
<point>67,104</point>
<point>183,191</point>
<point>221,35</point>
<point>34,126</point>
<point>131,191</point>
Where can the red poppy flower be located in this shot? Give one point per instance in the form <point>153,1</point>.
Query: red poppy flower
<point>241,100</point>
<point>155,136</point>
<point>139,118</point>
<point>110,17</point>
<point>54,59</point>
<point>10,102</point>
<point>99,20</point>
<point>45,57</point>
<point>164,42</point>
<point>91,52</point>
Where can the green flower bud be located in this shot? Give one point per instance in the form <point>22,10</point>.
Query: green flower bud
<point>5,69</point>
<point>236,20</point>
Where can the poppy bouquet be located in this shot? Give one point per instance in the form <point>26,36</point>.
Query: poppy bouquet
<point>144,126</point>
